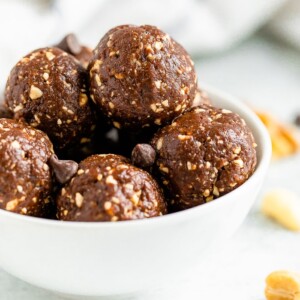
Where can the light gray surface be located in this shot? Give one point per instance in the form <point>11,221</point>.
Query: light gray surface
<point>267,76</point>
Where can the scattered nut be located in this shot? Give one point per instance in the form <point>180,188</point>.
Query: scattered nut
<point>283,285</point>
<point>284,138</point>
<point>284,207</point>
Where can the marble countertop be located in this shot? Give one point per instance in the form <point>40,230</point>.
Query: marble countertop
<point>266,75</point>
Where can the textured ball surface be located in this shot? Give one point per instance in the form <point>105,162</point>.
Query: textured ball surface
<point>25,176</point>
<point>47,90</point>
<point>205,153</point>
<point>140,77</point>
<point>108,188</point>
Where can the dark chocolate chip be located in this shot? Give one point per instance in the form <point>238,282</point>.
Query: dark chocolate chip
<point>297,120</point>
<point>143,155</point>
<point>64,170</point>
<point>5,112</point>
<point>70,44</point>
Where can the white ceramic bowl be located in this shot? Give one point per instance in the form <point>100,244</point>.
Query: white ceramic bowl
<point>126,257</point>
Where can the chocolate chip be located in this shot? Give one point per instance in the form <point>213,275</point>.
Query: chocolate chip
<point>143,155</point>
<point>69,44</point>
<point>5,112</point>
<point>64,170</point>
<point>297,120</point>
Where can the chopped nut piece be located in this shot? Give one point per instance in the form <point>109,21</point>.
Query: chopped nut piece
<point>153,107</point>
<point>46,76</point>
<point>158,45</point>
<point>159,143</point>
<point>35,92</point>
<point>237,150</point>
<point>119,75</point>
<point>15,144</point>
<point>78,199</point>
<point>117,124</point>
<point>239,162</point>
<point>189,165</point>
<point>18,107</point>
<point>45,167</point>
<point>136,197</point>
<point>79,172</point>
<point>50,55</point>
<point>11,205</point>
<point>216,191</point>
<point>157,83</point>
<point>206,193</point>
<point>83,99</point>
<point>210,198</point>
<point>164,169</point>
<point>183,137</point>
<point>110,179</point>
<point>165,103</point>
<point>157,121</point>
<point>178,107</point>
<point>98,80</point>
<point>226,111</point>
<point>85,140</point>
<point>107,205</point>
<point>115,200</point>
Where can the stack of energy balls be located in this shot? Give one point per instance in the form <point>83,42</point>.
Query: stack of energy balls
<point>118,133</point>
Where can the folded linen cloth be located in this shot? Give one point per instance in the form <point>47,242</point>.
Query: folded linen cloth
<point>202,26</point>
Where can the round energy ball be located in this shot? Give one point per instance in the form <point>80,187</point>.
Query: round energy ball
<point>25,176</point>
<point>204,154</point>
<point>108,188</point>
<point>47,90</point>
<point>140,77</point>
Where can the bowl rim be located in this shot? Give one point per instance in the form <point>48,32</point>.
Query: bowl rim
<point>261,168</point>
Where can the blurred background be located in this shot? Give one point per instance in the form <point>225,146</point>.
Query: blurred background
<point>250,49</point>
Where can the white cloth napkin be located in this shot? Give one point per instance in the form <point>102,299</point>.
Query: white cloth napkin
<point>203,27</point>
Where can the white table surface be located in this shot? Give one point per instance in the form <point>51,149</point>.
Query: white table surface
<point>266,75</point>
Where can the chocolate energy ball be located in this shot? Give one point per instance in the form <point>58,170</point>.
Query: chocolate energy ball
<point>47,90</point>
<point>204,154</point>
<point>25,176</point>
<point>71,45</point>
<point>108,188</point>
<point>140,77</point>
